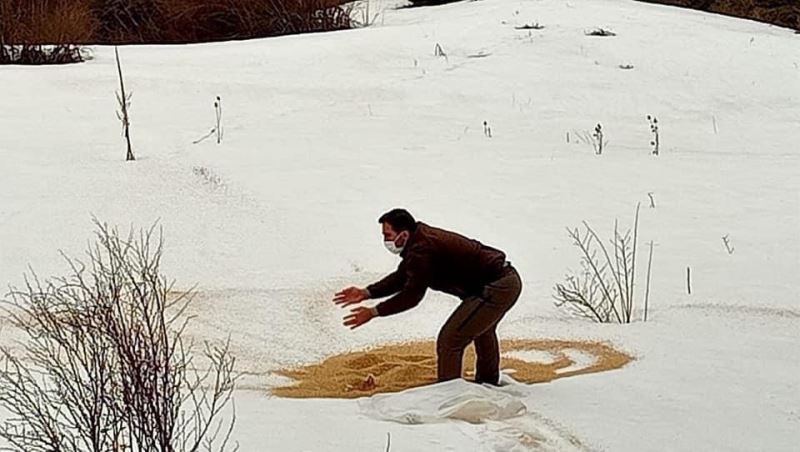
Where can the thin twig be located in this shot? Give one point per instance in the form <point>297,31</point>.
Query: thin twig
<point>647,290</point>
<point>124,101</point>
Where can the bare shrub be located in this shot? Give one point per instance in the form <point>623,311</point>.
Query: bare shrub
<point>164,21</point>
<point>43,31</point>
<point>599,32</point>
<point>183,21</point>
<point>127,21</point>
<point>192,21</point>
<point>530,26</point>
<point>46,22</point>
<point>34,55</point>
<point>105,367</point>
<point>785,13</point>
<point>604,289</point>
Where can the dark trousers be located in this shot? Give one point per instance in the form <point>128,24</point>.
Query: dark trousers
<point>475,320</point>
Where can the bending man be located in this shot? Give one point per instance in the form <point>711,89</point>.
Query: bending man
<point>445,261</point>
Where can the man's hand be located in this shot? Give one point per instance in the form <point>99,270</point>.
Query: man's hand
<point>358,316</point>
<point>351,295</point>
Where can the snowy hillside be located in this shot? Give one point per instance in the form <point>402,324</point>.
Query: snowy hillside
<point>325,132</point>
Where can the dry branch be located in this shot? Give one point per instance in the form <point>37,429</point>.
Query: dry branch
<point>604,289</point>
<point>105,367</point>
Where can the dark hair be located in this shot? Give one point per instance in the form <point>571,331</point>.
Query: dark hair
<point>399,219</point>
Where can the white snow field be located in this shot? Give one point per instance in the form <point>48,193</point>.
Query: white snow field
<point>324,132</point>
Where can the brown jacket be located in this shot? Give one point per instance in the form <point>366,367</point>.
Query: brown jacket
<point>440,260</point>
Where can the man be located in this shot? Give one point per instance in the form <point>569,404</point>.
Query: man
<point>436,259</point>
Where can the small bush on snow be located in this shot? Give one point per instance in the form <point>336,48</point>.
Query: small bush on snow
<point>533,26</point>
<point>599,32</point>
<point>106,366</point>
<point>604,288</point>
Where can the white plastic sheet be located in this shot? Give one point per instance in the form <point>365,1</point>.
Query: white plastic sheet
<point>455,399</point>
<point>498,417</point>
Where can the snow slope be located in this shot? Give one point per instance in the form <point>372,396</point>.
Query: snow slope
<point>325,132</point>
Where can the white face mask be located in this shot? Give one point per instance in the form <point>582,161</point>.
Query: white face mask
<point>392,246</point>
<point>394,249</point>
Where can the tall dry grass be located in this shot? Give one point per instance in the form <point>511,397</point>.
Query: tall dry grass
<point>204,20</point>
<point>784,13</point>
<point>38,22</point>
<point>43,31</point>
<point>46,21</point>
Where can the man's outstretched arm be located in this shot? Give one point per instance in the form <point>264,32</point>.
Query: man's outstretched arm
<point>417,275</point>
<point>389,285</point>
<point>413,278</point>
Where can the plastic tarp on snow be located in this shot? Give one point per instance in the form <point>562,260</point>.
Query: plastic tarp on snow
<point>455,399</point>
<point>496,417</point>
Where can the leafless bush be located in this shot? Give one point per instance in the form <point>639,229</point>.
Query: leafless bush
<point>51,22</point>
<point>604,289</point>
<point>531,26</point>
<point>39,32</point>
<point>105,367</point>
<point>599,32</point>
<point>203,20</point>
<point>34,55</point>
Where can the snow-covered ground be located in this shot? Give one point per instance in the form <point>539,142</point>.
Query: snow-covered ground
<point>325,132</point>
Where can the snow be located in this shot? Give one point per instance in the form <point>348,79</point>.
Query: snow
<point>324,132</point>
<point>580,360</point>
<point>533,356</point>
